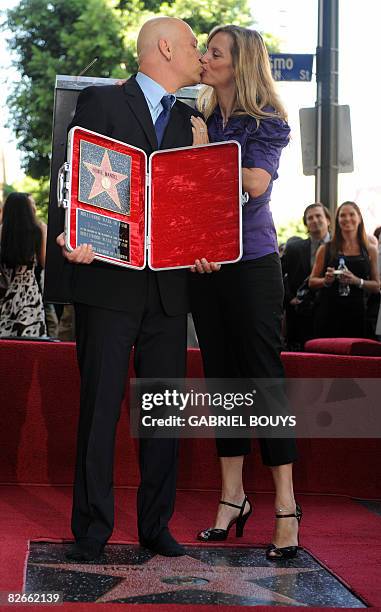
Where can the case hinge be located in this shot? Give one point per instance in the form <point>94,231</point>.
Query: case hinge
<point>63,185</point>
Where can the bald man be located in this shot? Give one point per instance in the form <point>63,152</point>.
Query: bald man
<point>119,308</point>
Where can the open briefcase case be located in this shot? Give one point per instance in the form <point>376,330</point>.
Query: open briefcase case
<point>186,207</point>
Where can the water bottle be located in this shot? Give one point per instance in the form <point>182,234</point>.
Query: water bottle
<point>343,289</point>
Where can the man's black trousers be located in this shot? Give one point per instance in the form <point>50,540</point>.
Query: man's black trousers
<point>104,341</point>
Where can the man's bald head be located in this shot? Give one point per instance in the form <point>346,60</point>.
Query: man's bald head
<point>156,29</point>
<point>168,53</point>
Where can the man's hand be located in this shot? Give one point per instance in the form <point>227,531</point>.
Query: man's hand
<point>295,301</point>
<point>83,254</point>
<point>200,131</point>
<point>202,265</point>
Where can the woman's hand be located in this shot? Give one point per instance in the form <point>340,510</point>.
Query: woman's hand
<point>329,277</point>
<point>83,254</point>
<point>348,278</point>
<point>200,131</point>
<point>202,265</point>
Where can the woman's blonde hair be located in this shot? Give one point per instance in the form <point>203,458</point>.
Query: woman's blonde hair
<point>255,86</point>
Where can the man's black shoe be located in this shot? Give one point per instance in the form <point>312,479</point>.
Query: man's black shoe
<point>165,545</point>
<point>85,550</point>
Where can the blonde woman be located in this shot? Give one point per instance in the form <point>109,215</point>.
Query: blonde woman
<point>237,311</point>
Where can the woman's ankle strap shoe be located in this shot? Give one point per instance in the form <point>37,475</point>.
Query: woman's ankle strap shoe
<point>273,553</point>
<point>297,514</point>
<point>219,535</point>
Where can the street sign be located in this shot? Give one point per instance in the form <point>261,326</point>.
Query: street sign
<point>307,118</point>
<point>291,66</point>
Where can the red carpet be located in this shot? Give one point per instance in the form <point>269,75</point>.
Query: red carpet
<point>39,391</point>
<point>39,406</point>
<point>343,535</point>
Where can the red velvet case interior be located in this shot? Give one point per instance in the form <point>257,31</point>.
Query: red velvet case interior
<point>195,205</point>
<point>136,218</point>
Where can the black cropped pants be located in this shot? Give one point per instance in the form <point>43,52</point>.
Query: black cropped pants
<point>237,314</point>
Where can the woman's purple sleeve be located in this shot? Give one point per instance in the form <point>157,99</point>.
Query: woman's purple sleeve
<point>264,145</point>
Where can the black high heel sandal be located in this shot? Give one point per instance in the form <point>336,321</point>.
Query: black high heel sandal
<point>219,535</point>
<point>286,552</point>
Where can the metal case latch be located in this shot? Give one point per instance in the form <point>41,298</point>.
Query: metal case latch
<point>244,198</point>
<point>63,185</point>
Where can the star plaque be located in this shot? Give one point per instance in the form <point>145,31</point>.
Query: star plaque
<point>138,209</point>
<point>104,178</point>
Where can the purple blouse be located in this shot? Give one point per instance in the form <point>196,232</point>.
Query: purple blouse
<point>260,148</point>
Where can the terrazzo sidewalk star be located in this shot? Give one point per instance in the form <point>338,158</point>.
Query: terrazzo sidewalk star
<point>240,576</point>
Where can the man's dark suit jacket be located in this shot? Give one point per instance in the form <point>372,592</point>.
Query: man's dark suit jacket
<point>121,112</point>
<point>296,263</point>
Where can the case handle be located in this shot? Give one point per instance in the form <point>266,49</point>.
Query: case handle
<point>62,185</point>
<point>244,198</point>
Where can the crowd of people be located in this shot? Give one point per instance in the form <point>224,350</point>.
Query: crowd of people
<point>332,278</point>
<point>23,312</point>
<point>314,305</point>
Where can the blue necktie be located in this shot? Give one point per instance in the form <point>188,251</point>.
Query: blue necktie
<point>162,120</point>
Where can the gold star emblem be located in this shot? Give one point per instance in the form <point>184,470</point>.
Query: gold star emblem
<point>105,179</point>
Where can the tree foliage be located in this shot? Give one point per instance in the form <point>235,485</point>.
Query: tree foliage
<point>51,37</point>
<point>201,15</point>
<point>38,189</point>
<point>294,227</point>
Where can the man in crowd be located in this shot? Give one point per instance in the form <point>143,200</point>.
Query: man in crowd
<point>297,262</point>
<point>117,308</point>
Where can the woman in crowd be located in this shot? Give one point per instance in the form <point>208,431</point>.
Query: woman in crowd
<point>23,247</point>
<point>238,310</point>
<point>339,313</point>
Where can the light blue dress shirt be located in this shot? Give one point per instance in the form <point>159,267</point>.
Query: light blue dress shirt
<point>153,93</point>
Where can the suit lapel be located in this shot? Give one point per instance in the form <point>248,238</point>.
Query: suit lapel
<point>138,105</point>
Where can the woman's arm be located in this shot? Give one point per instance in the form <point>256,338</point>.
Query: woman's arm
<point>373,284</point>
<point>318,279</point>
<point>374,269</point>
<point>255,181</point>
<point>42,253</point>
